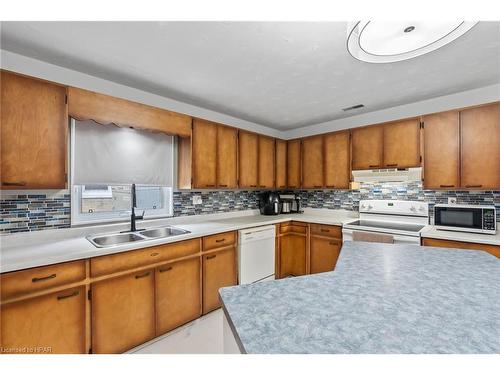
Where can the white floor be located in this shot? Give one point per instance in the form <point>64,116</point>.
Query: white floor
<point>202,336</point>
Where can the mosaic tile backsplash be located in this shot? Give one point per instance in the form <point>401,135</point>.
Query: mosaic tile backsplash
<point>31,212</point>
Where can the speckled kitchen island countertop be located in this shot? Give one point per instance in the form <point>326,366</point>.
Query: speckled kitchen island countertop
<point>380,299</point>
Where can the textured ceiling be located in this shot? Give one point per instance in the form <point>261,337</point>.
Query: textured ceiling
<point>280,74</point>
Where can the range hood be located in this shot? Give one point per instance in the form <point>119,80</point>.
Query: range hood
<point>388,175</point>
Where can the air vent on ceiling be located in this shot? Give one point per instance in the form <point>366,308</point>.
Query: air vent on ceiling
<point>357,106</point>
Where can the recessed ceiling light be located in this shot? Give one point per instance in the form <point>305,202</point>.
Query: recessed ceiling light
<point>384,42</point>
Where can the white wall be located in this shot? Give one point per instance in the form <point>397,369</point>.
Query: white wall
<point>29,66</point>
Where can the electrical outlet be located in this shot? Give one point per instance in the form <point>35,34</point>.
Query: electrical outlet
<point>452,200</point>
<point>197,199</point>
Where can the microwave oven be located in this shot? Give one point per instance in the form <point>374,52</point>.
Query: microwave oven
<point>465,218</point>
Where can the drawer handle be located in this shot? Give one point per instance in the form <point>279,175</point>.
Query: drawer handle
<point>473,186</point>
<point>37,279</point>
<point>74,294</point>
<point>211,256</point>
<point>392,165</point>
<point>221,240</point>
<point>165,269</point>
<point>373,166</point>
<point>446,186</point>
<point>12,183</point>
<point>154,254</point>
<point>143,275</point>
<point>333,243</point>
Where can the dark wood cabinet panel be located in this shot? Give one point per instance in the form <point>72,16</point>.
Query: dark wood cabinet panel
<point>204,154</point>
<point>178,294</point>
<point>324,253</point>
<point>312,162</point>
<point>480,141</point>
<point>248,160</point>
<point>227,157</point>
<point>293,164</point>
<point>266,162</point>
<point>337,160</point>
<point>123,312</point>
<point>367,147</point>
<point>280,164</point>
<point>33,130</point>
<point>402,144</point>
<point>442,151</point>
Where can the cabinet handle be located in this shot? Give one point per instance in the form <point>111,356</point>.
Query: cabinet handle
<point>154,254</point>
<point>37,279</point>
<point>143,275</point>
<point>223,185</point>
<point>333,243</point>
<point>211,256</point>
<point>209,185</point>
<point>8,183</point>
<point>262,186</point>
<point>281,186</point>
<point>373,166</point>
<point>443,186</point>
<point>74,294</point>
<point>318,187</point>
<point>330,186</point>
<point>293,187</point>
<point>253,185</point>
<point>392,165</point>
<point>165,269</point>
<point>221,240</point>
<point>325,230</point>
<point>473,186</point>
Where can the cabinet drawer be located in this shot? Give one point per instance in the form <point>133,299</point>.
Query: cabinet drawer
<point>293,226</point>
<point>32,280</point>
<point>219,240</point>
<point>333,231</point>
<point>136,258</point>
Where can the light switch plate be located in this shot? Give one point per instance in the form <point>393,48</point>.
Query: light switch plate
<point>452,200</point>
<point>197,199</point>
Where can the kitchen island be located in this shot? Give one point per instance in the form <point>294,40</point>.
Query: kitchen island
<point>381,298</point>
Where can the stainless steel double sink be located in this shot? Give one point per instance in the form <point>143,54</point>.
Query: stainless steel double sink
<point>114,239</point>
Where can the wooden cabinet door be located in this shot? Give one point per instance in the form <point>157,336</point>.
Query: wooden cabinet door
<point>248,148</point>
<point>402,144</point>
<point>54,321</point>
<point>442,151</point>
<point>312,162</point>
<point>480,137</point>
<point>178,294</point>
<point>227,156</point>
<point>123,312</point>
<point>204,155</point>
<point>367,147</point>
<point>266,162</point>
<point>292,255</point>
<point>324,254</point>
<point>219,270</point>
<point>280,164</point>
<point>337,160</point>
<point>33,132</point>
<point>293,164</point>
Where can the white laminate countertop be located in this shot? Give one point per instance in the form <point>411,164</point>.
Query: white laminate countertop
<point>430,231</point>
<point>27,250</point>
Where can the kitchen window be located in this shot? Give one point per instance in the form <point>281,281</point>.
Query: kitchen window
<point>106,160</point>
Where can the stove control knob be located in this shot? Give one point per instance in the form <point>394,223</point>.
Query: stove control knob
<point>421,208</point>
<point>363,206</point>
<point>370,206</point>
<point>413,209</point>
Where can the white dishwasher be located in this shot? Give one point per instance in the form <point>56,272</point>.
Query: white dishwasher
<point>256,254</point>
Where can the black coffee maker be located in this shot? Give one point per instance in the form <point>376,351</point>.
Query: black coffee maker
<point>269,203</point>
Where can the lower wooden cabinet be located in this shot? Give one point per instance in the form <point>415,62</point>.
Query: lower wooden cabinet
<point>492,249</point>
<point>53,323</point>
<point>178,294</point>
<point>324,254</point>
<point>123,312</point>
<point>292,249</point>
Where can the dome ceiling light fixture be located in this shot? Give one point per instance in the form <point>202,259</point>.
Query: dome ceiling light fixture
<point>386,42</point>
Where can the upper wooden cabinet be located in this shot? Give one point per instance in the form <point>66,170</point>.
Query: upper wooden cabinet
<point>312,162</point>
<point>248,159</point>
<point>266,162</point>
<point>480,141</point>
<point>280,169</point>
<point>367,147</point>
<point>337,160</point>
<point>227,157</point>
<point>105,109</point>
<point>204,154</point>
<point>293,164</point>
<point>33,129</point>
<point>442,151</point>
<point>402,144</point>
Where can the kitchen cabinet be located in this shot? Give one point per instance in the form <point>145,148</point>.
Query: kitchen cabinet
<point>367,147</point>
<point>280,169</point>
<point>248,159</point>
<point>204,154</point>
<point>227,157</point>
<point>402,144</point>
<point>33,130</point>
<point>337,160</point>
<point>123,312</point>
<point>492,249</point>
<point>266,162</point>
<point>219,270</point>
<point>293,164</point>
<point>178,294</point>
<point>325,245</point>
<point>312,162</point>
<point>480,147</point>
<point>442,151</point>
<point>52,323</point>
<point>292,249</point>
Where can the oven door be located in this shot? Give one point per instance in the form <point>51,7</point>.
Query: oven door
<point>466,219</point>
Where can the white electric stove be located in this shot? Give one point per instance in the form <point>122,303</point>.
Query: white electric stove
<point>402,220</point>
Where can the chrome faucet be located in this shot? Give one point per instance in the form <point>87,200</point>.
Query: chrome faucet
<point>133,216</point>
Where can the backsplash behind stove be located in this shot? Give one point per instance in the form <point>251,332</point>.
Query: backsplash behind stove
<point>41,210</point>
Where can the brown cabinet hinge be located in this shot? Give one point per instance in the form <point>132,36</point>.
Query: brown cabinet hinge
<point>90,351</point>
<point>421,125</point>
<point>89,295</point>
<point>66,99</point>
<point>421,158</point>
